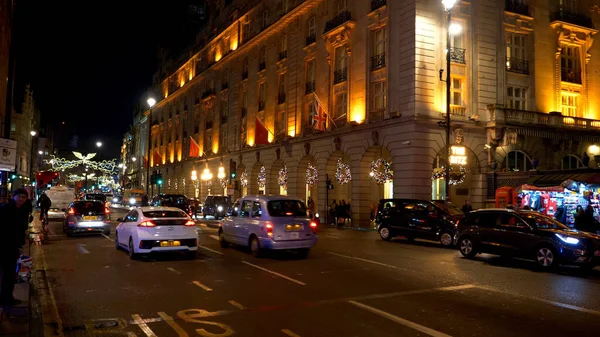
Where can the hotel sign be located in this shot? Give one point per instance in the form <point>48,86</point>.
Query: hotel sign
<point>458,155</point>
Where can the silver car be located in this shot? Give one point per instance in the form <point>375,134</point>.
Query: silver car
<point>269,222</point>
<point>87,216</point>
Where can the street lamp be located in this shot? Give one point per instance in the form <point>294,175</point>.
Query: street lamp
<point>206,176</point>
<point>31,156</point>
<point>99,144</point>
<point>133,159</point>
<point>151,101</point>
<point>448,4</point>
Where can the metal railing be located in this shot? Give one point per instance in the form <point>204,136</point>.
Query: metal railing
<point>376,115</point>
<point>281,98</point>
<point>340,76</point>
<point>311,39</point>
<point>208,92</point>
<point>570,75</point>
<point>378,61</point>
<point>574,18</point>
<point>541,119</point>
<point>282,55</point>
<point>261,105</point>
<point>262,66</point>
<point>457,55</point>
<point>516,6</point>
<point>244,75</point>
<point>224,85</point>
<point>338,20</point>
<point>376,4</point>
<point>310,87</point>
<point>516,65</point>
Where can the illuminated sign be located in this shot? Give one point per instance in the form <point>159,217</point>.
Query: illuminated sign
<point>458,155</point>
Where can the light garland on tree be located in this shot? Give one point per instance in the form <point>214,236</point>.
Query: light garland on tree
<point>342,172</point>
<point>283,176</point>
<point>312,175</point>
<point>457,174</point>
<point>61,164</point>
<point>244,179</point>
<point>381,171</point>
<point>262,177</point>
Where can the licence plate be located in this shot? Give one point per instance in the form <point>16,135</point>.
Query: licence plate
<point>90,217</point>
<point>170,243</point>
<point>295,235</point>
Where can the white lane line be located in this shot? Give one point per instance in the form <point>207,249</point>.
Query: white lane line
<point>411,292</point>
<point>368,261</point>
<point>202,286</point>
<point>106,236</point>
<point>289,333</point>
<point>137,319</point>
<point>211,250</point>
<point>331,236</point>
<point>81,249</point>
<point>399,320</point>
<point>214,237</point>
<point>173,270</point>
<point>275,273</point>
<point>237,305</point>
<point>557,304</point>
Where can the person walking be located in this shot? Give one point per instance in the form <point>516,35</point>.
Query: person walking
<point>145,200</point>
<point>466,208</point>
<point>44,203</point>
<point>13,225</point>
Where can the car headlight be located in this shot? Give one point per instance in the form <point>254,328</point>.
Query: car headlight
<point>115,200</point>
<point>567,239</point>
<point>220,208</point>
<point>316,215</point>
<point>132,201</point>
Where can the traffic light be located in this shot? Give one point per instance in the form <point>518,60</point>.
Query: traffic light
<point>232,169</point>
<point>153,177</point>
<point>159,179</point>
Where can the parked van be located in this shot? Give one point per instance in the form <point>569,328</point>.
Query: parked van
<point>61,197</point>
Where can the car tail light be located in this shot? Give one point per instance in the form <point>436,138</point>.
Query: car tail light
<point>269,228</point>
<point>106,210</point>
<point>146,224</point>
<point>71,211</point>
<point>190,223</point>
<point>313,226</point>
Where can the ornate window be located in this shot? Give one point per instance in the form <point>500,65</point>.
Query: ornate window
<point>571,162</point>
<point>516,161</point>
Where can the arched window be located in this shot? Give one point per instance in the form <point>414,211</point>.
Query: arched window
<point>517,161</point>
<point>571,162</point>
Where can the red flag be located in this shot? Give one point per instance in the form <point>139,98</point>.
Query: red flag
<point>319,117</point>
<point>194,148</point>
<point>261,134</point>
<point>157,158</point>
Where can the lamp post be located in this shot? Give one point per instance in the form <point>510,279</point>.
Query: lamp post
<point>151,101</point>
<point>448,4</point>
<point>221,176</point>
<point>195,182</point>
<point>31,156</point>
<point>206,176</point>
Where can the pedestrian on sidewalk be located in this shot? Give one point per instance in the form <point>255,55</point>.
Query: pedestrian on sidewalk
<point>44,203</point>
<point>13,225</point>
<point>467,208</point>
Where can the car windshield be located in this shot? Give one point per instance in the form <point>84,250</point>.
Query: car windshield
<point>89,206</point>
<point>165,214</point>
<point>100,197</point>
<point>449,208</point>
<point>174,200</point>
<point>283,208</point>
<point>542,221</point>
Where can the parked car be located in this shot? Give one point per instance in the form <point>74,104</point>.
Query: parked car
<point>269,222</point>
<point>91,216</point>
<point>156,229</point>
<point>172,200</point>
<point>417,219</point>
<point>526,234</point>
<point>216,206</point>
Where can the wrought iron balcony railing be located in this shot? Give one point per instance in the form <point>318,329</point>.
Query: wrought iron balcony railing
<point>282,55</point>
<point>262,66</point>
<point>338,20</point>
<point>208,92</point>
<point>457,55</point>
<point>376,4</point>
<point>376,115</point>
<point>244,112</point>
<point>516,65</point>
<point>378,61</point>
<point>542,119</point>
<point>340,76</point>
<point>224,85</point>
<point>244,75</point>
<point>261,105</point>
<point>516,6</point>
<point>574,18</point>
<point>310,87</point>
<point>570,75</point>
<point>281,98</point>
<point>311,39</point>
<point>209,125</point>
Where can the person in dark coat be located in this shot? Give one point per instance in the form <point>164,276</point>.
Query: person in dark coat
<point>561,215</point>
<point>44,203</point>
<point>145,200</point>
<point>466,208</point>
<point>13,225</point>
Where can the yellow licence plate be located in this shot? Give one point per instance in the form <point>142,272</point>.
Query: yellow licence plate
<point>293,227</point>
<point>170,243</point>
<point>90,217</point>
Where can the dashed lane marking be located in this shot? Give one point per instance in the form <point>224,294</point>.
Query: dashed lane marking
<point>275,273</point>
<point>202,286</point>
<point>137,319</point>
<point>368,261</point>
<point>289,333</point>
<point>211,250</point>
<point>174,270</point>
<point>237,305</point>
<point>399,320</point>
<point>108,237</point>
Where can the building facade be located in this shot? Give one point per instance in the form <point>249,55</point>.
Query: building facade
<point>23,122</point>
<point>524,99</point>
<point>6,21</point>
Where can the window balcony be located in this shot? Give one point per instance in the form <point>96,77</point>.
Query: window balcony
<point>310,87</point>
<point>539,120</point>
<point>281,98</point>
<point>245,75</point>
<point>207,93</point>
<point>224,85</point>
<point>209,125</point>
<point>376,115</point>
<point>337,21</point>
<point>570,75</point>
<point>262,66</point>
<point>261,105</point>
<point>457,55</point>
<point>515,6</point>
<point>244,112</point>
<point>376,4</point>
<point>457,110</point>
<point>282,55</point>
<point>311,39</point>
<point>340,76</point>
<point>378,61</point>
<point>516,65</point>
<point>223,119</point>
<point>573,18</point>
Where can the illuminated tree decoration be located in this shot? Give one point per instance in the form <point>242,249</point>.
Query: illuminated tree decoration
<point>381,171</point>
<point>61,164</point>
<point>283,176</point>
<point>457,174</point>
<point>244,179</point>
<point>262,177</point>
<point>312,175</point>
<point>342,172</point>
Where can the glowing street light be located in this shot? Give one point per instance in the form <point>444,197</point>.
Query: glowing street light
<point>221,173</point>
<point>99,144</point>
<point>133,159</point>
<point>33,133</point>
<point>151,101</point>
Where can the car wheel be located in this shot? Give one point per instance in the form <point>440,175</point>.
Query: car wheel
<point>467,247</point>
<point>446,239</point>
<point>546,257</point>
<point>255,247</point>
<point>222,242</point>
<point>132,254</point>
<point>106,232</point>
<point>385,233</point>
<point>303,253</point>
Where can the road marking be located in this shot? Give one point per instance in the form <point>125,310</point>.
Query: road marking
<point>108,246</point>
<point>368,261</point>
<point>400,320</point>
<point>81,249</point>
<point>202,286</point>
<point>137,319</point>
<point>214,237</point>
<point>557,304</point>
<point>333,236</point>
<point>237,305</point>
<point>289,333</point>
<point>275,273</point>
<point>173,324</point>
<point>173,270</point>
<point>211,250</point>
<point>106,236</point>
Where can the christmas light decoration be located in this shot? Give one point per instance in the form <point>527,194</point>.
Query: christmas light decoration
<point>262,177</point>
<point>312,175</point>
<point>61,164</point>
<point>342,172</point>
<point>283,176</point>
<point>381,171</point>
<point>244,179</point>
<point>457,174</point>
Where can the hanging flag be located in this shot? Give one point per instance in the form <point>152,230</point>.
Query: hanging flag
<point>319,116</point>
<point>157,158</point>
<point>194,148</point>
<point>261,133</point>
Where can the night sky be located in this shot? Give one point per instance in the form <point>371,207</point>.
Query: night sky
<point>90,63</point>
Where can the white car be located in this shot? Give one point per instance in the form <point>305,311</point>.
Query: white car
<point>156,229</point>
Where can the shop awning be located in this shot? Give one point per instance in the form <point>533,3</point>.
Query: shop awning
<point>546,180</point>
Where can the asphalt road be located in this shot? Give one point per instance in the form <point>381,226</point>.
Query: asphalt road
<point>352,284</point>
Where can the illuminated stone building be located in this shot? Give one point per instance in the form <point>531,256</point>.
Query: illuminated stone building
<point>525,94</point>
